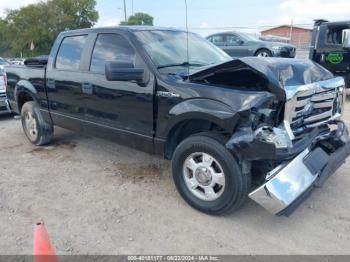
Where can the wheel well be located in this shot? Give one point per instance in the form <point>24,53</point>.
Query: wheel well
<point>22,98</point>
<point>262,48</point>
<point>187,128</point>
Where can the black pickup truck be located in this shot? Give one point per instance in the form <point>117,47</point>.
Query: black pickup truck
<point>330,47</point>
<point>267,128</point>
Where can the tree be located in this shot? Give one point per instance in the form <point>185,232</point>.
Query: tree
<point>139,19</point>
<point>4,44</point>
<point>41,23</point>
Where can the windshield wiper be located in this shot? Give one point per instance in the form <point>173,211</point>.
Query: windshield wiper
<point>180,64</point>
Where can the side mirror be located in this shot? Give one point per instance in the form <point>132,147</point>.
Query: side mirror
<point>346,38</point>
<point>117,71</point>
<point>240,42</point>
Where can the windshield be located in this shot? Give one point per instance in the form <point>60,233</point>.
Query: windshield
<point>169,48</point>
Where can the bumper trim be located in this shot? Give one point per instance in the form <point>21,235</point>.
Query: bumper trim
<point>286,186</point>
<point>287,189</point>
<point>335,161</point>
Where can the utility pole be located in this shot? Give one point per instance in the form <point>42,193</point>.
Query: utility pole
<point>291,31</point>
<point>126,19</point>
<point>132,7</point>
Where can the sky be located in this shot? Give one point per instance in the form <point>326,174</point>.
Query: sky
<point>208,16</point>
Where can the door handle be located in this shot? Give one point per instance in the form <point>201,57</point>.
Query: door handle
<point>87,88</point>
<point>167,94</point>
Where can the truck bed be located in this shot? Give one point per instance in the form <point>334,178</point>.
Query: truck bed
<point>34,74</point>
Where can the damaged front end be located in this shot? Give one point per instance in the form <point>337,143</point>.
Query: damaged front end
<point>290,143</point>
<point>309,145</point>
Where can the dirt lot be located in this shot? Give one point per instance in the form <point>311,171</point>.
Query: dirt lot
<point>97,197</point>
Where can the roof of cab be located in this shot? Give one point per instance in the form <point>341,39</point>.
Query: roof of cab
<point>122,28</point>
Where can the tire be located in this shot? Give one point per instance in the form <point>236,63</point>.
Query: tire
<point>35,128</point>
<point>230,192</point>
<point>263,53</point>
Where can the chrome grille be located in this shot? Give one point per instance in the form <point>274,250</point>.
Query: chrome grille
<point>314,104</point>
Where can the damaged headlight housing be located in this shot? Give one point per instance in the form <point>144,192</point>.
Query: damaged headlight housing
<point>277,136</point>
<point>281,136</point>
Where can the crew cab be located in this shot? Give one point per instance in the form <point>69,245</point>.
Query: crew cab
<point>265,128</point>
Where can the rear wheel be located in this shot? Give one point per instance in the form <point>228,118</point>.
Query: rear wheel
<point>35,128</point>
<point>263,53</point>
<point>208,177</point>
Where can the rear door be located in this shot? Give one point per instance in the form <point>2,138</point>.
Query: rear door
<point>64,81</point>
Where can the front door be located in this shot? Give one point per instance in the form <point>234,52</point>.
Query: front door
<point>123,108</point>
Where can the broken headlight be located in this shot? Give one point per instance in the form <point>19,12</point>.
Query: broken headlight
<point>277,136</point>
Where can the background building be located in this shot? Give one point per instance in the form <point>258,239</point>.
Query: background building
<point>299,36</point>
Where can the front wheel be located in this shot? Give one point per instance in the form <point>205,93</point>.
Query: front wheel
<point>263,53</point>
<point>35,128</point>
<point>208,177</point>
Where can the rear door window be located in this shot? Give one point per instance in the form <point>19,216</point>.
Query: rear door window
<point>69,54</point>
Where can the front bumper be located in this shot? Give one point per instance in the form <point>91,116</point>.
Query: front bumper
<point>291,183</point>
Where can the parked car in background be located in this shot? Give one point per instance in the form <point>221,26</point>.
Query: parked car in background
<point>16,61</point>
<point>4,107</point>
<point>238,44</point>
<point>275,38</point>
<point>3,63</point>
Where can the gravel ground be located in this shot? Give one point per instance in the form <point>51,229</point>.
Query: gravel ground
<point>97,197</point>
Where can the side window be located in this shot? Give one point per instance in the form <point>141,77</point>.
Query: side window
<point>335,34</point>
<point>69,54</point>
<point>233,39</point>
<point>217,39</point>
<point>210,39</point>
<point>108,48</point>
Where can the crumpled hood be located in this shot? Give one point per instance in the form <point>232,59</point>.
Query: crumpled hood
<point>277,73</point>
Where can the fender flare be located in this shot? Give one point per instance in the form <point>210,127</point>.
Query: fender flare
<point>27,87</point>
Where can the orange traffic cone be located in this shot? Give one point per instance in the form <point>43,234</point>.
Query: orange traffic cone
<point>43,249</point>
